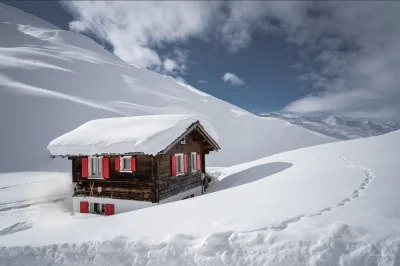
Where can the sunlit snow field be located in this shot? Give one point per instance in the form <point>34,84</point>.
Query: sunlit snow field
<point>334,203</point>
<point>274,200</point>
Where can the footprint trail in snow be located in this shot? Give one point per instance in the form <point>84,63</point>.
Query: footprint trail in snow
<point>369,176</point>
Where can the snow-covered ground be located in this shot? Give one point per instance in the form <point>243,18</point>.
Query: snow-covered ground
<point>339,128</point>
<point>332,204</point>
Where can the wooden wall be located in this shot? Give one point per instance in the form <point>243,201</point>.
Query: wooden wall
<point>171,185</point>
<point>152,180</point>
<point>133,186</point>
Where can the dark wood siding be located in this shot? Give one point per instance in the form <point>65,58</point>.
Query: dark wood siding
<point>177,184</point>
<point>152,180</point>
<point>121,185</point>
<point>171,185</point>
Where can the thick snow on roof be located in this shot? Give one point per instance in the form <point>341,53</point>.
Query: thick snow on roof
<point>142,134</point>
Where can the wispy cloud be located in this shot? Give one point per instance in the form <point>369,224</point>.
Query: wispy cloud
<point>353,45</point>
<point>137,29</point>
<point>202,81</point>
<point>232,79</point>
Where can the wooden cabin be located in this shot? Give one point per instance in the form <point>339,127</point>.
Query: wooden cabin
<point>109,182</point>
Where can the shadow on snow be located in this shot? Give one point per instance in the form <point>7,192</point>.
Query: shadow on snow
<point>249,175</point>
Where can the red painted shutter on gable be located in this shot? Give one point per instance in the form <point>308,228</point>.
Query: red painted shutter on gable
<point>133,164</point>
<point>185,163</point>
<point>85,167</point>
<point>84,207</point>
<point>173,165</point>
<point>109,209</point>
<point>198,162</point>
<point>117,164</point>
<point>106,167</point>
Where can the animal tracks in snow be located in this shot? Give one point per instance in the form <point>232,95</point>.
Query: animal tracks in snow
<point>355,194</point>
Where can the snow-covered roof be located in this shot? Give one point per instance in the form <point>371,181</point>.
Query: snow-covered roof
<point>139,134</point>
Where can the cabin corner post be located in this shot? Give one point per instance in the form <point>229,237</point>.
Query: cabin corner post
<point>203,172</point>
<point>203,163</point>
<point>154,178</point>
<point>73,168</point>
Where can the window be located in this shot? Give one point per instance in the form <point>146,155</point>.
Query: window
<point>126,163</point>
<point>95,167</point>
<point>97,208</point>
<point>193,160</point>
<point>183,141</point>
<point>180,168</point>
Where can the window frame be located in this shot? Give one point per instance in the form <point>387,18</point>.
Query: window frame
<point>99,174</point>
<point>101,206</point>
<point>121,164</point>
<point>193,161</point>
<point>180,156</point>
<point>183,140</point>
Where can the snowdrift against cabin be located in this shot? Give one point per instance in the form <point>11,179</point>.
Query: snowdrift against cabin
<point>140,134</point>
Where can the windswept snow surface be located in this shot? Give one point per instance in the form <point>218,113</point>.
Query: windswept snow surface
<point>332,204</point>
<point>146,134</point>
<point>52,81</point>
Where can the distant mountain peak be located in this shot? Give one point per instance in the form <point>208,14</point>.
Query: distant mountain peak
<point>334,120</point>
<point>340,128</point>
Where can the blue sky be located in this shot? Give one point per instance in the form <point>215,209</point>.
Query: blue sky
<point>303,58</point>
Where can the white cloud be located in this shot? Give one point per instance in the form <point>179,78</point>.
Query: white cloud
<point>202,81</point>
<point>353,45</point>
<point>356,48</point>
<point>136,29</point>
<point>232,79</point>
<point>181,79</point>
<point>169,65</point>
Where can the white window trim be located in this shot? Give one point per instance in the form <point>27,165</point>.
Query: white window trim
<point>183,140</point>
<point>193,163</point>
<point>178,156</point>
<point>90,176</point>
<point>121,164</point>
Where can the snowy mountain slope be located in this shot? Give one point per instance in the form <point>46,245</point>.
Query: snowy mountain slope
<point>339,128</point>
<point>332,204</point>
<point>369,127</point>
<point>52,81</point>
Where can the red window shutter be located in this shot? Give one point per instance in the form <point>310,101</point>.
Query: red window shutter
<point>185,163</point>
<point>173,165</point>
<point>109,209</point>
<point>198,162</point>
<point>133,164</point>
<point>84,207</point>
<point>106,167</point>
<point>117,164</point>
<point>192,196</point>
<point>85,167</point>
